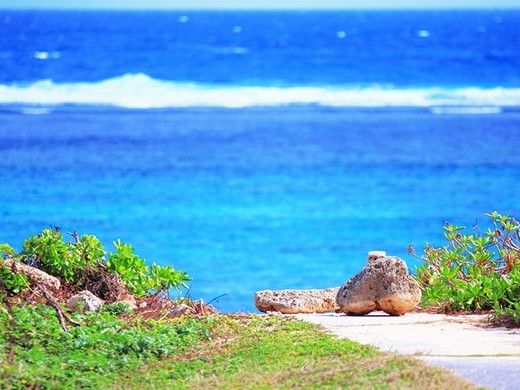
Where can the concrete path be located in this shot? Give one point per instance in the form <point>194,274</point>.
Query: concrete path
<point>489,357</point>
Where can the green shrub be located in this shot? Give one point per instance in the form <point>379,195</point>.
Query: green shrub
<point>11,282</point>
<point>132,269</point>
<point>138,277</point>
<point>165,278</point>
<point>72,261</point>
<point>6,250</point>
<point>474,271</point>
<point>50,253</point>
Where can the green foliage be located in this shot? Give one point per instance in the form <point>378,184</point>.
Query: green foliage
<point>50,253</point>
<point>70,262</point>
<point>11,282</point>
<point>204,352</point>
<point>87,251</point>
<point>116,309</point>
<point>132,269</point>
<point>277,352</point>
<point>138,277</point>
<point>474,271</point>
<point>165,278</point>
<point>6,250</point>
<point>37,354</point>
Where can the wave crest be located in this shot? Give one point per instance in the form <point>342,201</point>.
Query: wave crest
<point>142,91</point>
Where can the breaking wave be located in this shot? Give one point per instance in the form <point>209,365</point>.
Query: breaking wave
<point>142,91</point>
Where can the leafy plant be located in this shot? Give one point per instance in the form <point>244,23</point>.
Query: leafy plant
<point>6,250</point>
<point>11,281</point>
<point>165,278</point>
<point>87,250</point>
<point>138,277</point>
<point>474,271</point>
<point>74,261</point>
<point>116,309</point>
<point>50,253</point>
<point>132,269</point>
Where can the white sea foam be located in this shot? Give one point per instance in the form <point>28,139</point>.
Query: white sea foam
<point>141,91</point>
<point>466,110</point>
<point>36,110</point>
<point>45,55</point>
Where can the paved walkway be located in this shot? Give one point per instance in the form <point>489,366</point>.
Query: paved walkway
<point>489,357</point>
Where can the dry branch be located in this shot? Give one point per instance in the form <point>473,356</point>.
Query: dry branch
<point>62,316</point>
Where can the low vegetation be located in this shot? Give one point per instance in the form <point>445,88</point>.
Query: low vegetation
<point>114,349</point>
<point>83,263</point>
<point>475,271</point>
<point>155,346</point>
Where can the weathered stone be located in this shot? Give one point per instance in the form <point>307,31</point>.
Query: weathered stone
<point>183,310</point>
<point>84,301</point>
<point>127,299</point>
<point>374,255</point>
<point>297,301</point>
<point>384,284</point>
<point>35,275</point>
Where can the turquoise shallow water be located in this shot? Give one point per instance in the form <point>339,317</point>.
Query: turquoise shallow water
<point>259,198</point>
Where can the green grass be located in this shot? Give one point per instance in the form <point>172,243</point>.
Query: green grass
<point>213,351</point>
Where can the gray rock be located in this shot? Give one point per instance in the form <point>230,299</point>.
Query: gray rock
<point>84,301</point>
<point>296,301</point>
<point>384,284</point>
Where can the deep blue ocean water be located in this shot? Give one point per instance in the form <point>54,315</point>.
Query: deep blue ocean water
<point>258,150</point>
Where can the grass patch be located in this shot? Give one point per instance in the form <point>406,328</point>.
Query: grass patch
<point>214,351</point>
<point>278,352</point>
<point>36,352</point>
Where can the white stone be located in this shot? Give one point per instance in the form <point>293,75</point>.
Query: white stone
<point>84,301</point>
<point>374,255</point>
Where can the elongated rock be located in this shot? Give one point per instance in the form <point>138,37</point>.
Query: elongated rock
<point>297,301</point>
<point>35,275</point>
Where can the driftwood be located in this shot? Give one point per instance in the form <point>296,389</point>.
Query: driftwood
<point>62,316</point>
<point>35,275</point>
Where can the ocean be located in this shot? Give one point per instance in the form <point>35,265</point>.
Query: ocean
<point>258,150</point>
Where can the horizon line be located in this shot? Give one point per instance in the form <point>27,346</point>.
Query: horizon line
<point>256,9</point>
